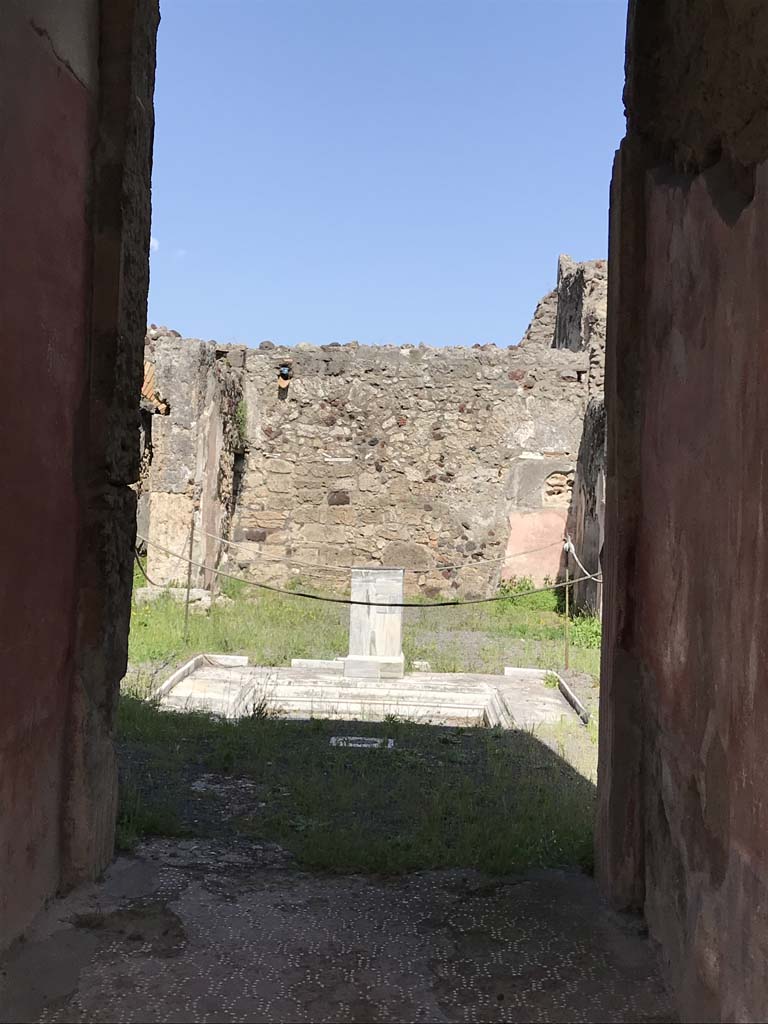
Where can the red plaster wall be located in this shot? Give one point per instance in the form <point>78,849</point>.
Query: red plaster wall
<point>702,586</point>
<point>75,165</point>
<point>683,777</point>
<point>45,154</point>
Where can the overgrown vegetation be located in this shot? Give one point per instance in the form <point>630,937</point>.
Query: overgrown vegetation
<point>528,595</point>
<point>241,423</point>
<point>523,629</point>
<point>139,817</point>
<point>587,631</point>
<point>499,801</point>
<point>269,628</point>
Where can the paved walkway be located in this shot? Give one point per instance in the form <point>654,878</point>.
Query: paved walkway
<point>520,699</point>
<point>203,932</point>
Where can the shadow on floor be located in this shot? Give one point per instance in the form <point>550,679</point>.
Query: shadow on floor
<point>495,800</point>
<point>315,883</point>
<point>196,930</point>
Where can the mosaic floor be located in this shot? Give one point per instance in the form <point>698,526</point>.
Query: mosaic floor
<point>204,932</point>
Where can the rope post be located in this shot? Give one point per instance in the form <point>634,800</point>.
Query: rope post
<point>189,573</point>
<point>567,602</point>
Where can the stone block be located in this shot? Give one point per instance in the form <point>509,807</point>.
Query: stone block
<point>368,482</point>
<point>276,538</point>
<point>280,484</point>
<point>338,498</point>
<point>280,466</point>
<point>318,533</point>
<point>344,515</point>
<point>236,357</point>
<point>359,667</point>
<point>408,555</point>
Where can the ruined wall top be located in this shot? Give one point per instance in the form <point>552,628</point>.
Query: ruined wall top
<point>407,456</point>
<point>571,316</point>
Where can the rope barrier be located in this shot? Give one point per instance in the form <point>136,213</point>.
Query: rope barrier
<point>151,582</point>
<point>367,604</point>
<point>439,567</point>
<point>176,564</point>
<point>569,547</point>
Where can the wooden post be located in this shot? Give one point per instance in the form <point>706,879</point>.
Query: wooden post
<point>567,602</point>
<point>189,573</point>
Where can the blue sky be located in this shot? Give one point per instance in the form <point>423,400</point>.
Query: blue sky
<point>388,171</point>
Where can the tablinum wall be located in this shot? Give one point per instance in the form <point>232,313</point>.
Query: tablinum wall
<point>416,457</point>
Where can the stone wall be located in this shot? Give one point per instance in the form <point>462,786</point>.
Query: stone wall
<point>75,163</point>
<point>588,509</point>
<point>454,463</point>
<point>683,775</point>
<point>192,443</point>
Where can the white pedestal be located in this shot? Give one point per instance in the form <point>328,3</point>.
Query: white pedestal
<point>376,632</point>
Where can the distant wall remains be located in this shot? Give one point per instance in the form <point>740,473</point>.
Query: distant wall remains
<point>588,509</point>
<point>455,463</point>
<point>192,445</point>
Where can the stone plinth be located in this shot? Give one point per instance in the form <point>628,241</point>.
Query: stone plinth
<point>215,685</point>
<point>375,632</point>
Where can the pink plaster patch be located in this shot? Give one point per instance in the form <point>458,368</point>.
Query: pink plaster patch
<point>535,545</point>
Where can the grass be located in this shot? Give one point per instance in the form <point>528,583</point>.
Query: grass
<point>525,631</point>
<point>587,632</point>
<point>498,801</point>
<point>270,628</point>
<point>139,817</point>
<point>495,800</point>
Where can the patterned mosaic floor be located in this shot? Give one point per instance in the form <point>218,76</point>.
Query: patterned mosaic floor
<point>201,932</point>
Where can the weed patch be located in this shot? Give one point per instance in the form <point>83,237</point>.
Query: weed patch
<point>140,816</point>
<point>587,631</point>
<point>499,801</point>
<point>523,630</point>
<point>269,628</point>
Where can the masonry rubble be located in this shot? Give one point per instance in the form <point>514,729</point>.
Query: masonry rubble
<point>457,464</point>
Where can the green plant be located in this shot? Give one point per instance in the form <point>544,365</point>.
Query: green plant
<point>139,564</point>
<point>241,423</point>
<point>524,593</point>
<point>261,709</point>
<point>522,630</point>
<point>587,631</point>
<point>551,681</point>
<point>269,628</point>
<point>233,588</point>
<point>140,816</point>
